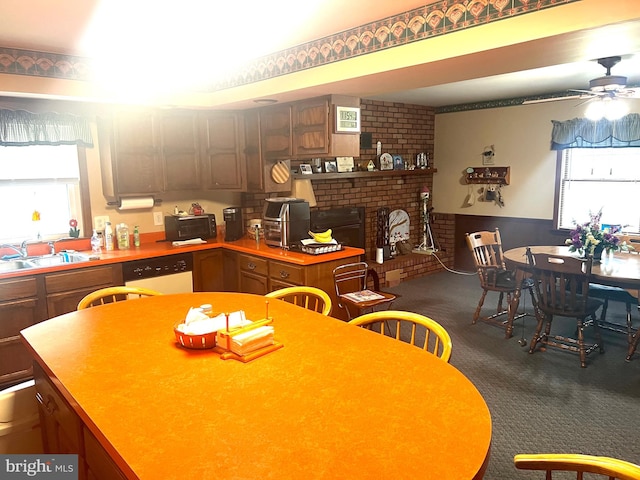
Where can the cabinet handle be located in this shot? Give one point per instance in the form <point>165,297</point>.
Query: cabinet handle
<point>284,274</point>
<point>251,266</point>
<point>50,405</point>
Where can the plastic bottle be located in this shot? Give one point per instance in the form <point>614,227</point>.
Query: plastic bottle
<point>136,236</point>
<point>108,237</point>
<point>96,243</point>
<point>123,236</point>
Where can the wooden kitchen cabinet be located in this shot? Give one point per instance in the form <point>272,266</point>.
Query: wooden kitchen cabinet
<point>65,289</point>
<point>222,151</point>
<point>208,271</point>
<point>253,274</point>
<point>20,307</point>
<point>180,150</point>
<point>310,128</point>
<point>275,132</point>
<point>130,154</point>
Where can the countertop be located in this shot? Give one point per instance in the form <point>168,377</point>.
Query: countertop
<point>154,245</point>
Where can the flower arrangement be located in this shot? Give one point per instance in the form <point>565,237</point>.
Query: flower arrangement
<point>588,237</point>
<point>73,231</point>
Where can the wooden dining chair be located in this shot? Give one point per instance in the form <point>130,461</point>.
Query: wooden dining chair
<point>311,298</point>
<point>353,292</point>
<point>488,257</point>
<point>114,294</point>
<point>612,468</point>
<point>409,327</point>
<point>561,284</point>
<point>608,293</point>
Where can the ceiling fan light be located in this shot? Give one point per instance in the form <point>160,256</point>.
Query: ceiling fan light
<point>614,109</point>
<point>595,110</point>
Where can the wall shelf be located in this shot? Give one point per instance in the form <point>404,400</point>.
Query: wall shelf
<point>488,175</point>
<point>377,173</point>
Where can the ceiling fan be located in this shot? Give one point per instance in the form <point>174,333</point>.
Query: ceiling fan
<point>608,87</point>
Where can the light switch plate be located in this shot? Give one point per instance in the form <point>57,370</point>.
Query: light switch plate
<point>100,221</point>
<point>157,218</point>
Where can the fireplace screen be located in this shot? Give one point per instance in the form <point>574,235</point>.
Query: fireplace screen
<point>347,224</point>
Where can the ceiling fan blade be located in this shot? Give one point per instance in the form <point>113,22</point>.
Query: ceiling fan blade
<point>550,99</point>
<point>588,92</point>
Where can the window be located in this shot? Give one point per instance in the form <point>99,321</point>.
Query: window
<point>39,182</point>
<point>595,178</point>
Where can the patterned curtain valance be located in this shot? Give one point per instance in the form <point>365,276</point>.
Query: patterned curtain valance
<point>584,133</point>
<point>22,128</point>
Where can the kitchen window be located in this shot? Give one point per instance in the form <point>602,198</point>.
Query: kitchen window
<point>41,191</point>
<point>593,178</point>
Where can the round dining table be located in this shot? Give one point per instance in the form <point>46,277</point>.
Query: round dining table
<point>336,401</point>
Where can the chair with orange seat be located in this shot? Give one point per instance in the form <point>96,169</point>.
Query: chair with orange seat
<point>415,329</point>
<point>114,294</point>
<point>611,468</point>
<point>311,298</point>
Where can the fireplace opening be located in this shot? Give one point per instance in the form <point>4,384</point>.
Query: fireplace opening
<point>347,224</point>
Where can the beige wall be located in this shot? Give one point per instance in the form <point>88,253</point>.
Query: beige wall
<point>521,136</point>
<point>212,202</point>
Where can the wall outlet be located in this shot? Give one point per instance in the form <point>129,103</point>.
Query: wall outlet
<point>157,218</point>
<point>100,221</point>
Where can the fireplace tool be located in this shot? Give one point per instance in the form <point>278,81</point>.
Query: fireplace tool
<point>427,246</point>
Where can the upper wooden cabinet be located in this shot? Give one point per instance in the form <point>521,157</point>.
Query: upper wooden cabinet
<point>306,129</point>
<point>180,150</point>
<point>222,151</point>
<point>130,154</point>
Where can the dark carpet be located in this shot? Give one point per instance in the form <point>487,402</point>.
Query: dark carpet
<point>541,402</point>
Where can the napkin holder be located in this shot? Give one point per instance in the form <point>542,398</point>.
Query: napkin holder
<point>223,344</point>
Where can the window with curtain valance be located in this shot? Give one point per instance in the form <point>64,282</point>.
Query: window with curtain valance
<point>585,133</point>
<point>22,128</point>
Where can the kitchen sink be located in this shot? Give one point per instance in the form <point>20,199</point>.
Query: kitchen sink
<point>13,265</point>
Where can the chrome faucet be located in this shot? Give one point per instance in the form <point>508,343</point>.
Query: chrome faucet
<point>22,251</point>
<point>52,246</point>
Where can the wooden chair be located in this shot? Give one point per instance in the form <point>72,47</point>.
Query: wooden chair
<point>580,464</point>
<point>114,294</point>
<point>486,247</point>
<point>562,289</point>
<point>415,328</point>
<point>310,298</point>
<point>349,280</point>
<point>608,294</point>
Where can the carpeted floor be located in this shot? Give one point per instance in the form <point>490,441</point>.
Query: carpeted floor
<point>543,402</point>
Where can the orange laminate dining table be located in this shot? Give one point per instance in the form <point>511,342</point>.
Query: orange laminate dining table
<point>623,270</point>
<point>336,401</point>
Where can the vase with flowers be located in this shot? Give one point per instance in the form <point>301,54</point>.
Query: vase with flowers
<point>588,239</point>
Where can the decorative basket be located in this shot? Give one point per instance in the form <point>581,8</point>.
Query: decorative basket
<point>201,341</point>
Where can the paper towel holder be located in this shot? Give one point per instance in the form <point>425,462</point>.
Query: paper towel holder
<point>118,203</point>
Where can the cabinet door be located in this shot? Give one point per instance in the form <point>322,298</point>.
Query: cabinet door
<point>275,132</point>
<point>310,128</point>
<point>180,151</point>
<point>222,151</point>
<point>136,156</point>
<point>208,271</point>
<point>253,283</point>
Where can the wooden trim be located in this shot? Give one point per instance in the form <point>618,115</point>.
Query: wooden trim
<point>556,196</point>
<point>85,198</point>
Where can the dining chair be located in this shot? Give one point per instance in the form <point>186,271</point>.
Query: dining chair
<point>608,294</point>
<point>354,295</point>
<point>412,328</point>
<point>561,284</point>
<point>488,257</point>
<point>612,468</point>
<point>311,298</point>
<point>114,294</point>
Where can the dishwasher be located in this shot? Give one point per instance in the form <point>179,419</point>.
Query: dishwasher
<point>168,274</point>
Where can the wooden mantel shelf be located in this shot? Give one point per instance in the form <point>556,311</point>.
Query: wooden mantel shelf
<point>377,173</point>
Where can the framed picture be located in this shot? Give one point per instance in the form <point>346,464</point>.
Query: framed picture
<point>386,161</point>
<point>398,162</point>
<point>347,119</point>
<point>331,166</point>
<point>305,169</point>
<point>345,164</point>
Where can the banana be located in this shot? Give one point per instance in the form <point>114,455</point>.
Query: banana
<point>324,237</point>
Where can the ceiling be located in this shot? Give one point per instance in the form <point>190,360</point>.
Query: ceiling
<point>78,28</point>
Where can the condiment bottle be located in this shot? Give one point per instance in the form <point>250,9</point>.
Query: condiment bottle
<point>136,236</point>
<point>108,237</point>
<point>96,243</point>
<point>123,236</point>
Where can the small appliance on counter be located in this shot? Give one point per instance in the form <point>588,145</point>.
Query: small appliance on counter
<point>234,226</point>
<point>186,227</point>
<point>285,221</point>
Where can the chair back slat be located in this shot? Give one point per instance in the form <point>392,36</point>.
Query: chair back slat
<point>311,298</point>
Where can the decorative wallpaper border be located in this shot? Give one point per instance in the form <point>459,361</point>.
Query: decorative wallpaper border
<point>440,18</point>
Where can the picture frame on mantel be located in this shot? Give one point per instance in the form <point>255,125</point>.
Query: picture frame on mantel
<point>347,119</point>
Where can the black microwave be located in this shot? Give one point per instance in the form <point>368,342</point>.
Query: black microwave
<point>192,226</point>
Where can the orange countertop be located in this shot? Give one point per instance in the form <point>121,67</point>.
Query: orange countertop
<point>336,401</point>
<point>154,245</point>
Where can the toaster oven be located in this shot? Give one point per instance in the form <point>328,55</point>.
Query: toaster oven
<point>187,227</point>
